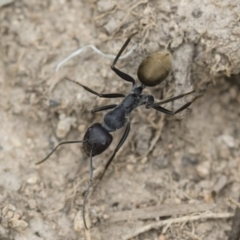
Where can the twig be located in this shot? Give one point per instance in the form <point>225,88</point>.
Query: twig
<point>193,236</point>
<point>87,235</point>
<point>159,128</point>
<point>158,133</point>
<point>235,202</point>
<point>235,231</point>
<point>97,18</point>
<point>204,216</point>
<point>127,15</point>
<point>54,210</point>
<point>159,211</point>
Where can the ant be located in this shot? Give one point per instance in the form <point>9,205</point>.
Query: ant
<point>152,71</point>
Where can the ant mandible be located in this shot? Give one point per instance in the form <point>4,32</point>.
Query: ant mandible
<point>152,71</point>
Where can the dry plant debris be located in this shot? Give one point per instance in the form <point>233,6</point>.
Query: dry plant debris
<point>235,231</point>
<point>169,222</point>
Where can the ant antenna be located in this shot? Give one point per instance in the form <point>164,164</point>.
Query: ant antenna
<point>61,143</point>
<point>88,188</point>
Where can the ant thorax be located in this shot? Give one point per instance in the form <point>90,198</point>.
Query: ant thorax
<point>116,118</point>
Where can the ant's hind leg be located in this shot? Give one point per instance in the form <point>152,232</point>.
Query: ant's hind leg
<point>169,112</point>
<point>121,142</point>
<point>173,98</point>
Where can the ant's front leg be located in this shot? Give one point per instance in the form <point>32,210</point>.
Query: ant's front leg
<point>121,74</point>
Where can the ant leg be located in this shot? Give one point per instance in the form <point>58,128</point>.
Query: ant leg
<point>88,188</point>
<point>106,107</point>
<point>166,111</point>
<point>121,74</point>
<point>62,143</point>
<point>101,95</point>
<point>124,137</point>
<point>173,98</point>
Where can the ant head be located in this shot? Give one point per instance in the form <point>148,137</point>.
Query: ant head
<point>96,139</point>
<point>154,68</point>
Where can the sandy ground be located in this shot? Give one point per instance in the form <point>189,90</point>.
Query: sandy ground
<point>176,171</point>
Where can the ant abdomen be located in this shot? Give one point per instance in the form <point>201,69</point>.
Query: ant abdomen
<point>97,139</point>
<point>155,68</point>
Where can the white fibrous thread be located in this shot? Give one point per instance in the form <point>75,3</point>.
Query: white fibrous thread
<point>96,50</point>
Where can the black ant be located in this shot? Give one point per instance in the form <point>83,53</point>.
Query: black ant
<point>152,71</point>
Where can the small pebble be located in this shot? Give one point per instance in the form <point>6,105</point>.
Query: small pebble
<point>104,72</point>
<point>8,207</point>
<point>208,198</point>
<point>176,154</point>
<point>162,237</point>
<point>170,146</point>
<point>111,25</point>
<point>18,224</point>
<point>53,103</point>
<point>16,141</point>
<point>17,215</point>
<point>105,216</point>
<point>177,41</point>
<point>64,126</point>
<point>130,168</point>
<point>131,158</point>
<point>9,214</point>
<point>105,5</point>
<point>17,109</point>
<point>32,203</point>
<point>234,90</point>
<point>82,128</point>
<point>220,184</point>
<point>228,140</point>
<point>203,169</point>
<point>193,151</point>
<point>78,222</point>
<point>224,152</point>
<point>33,99</point>
<point>32,179</point>
<point>205,184</point>
<point>144,159</point>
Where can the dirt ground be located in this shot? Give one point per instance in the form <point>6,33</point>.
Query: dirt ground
<point>176,177</point>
